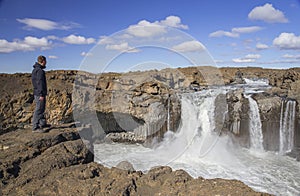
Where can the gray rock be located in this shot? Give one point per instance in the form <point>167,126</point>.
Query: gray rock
<point>125,165</point>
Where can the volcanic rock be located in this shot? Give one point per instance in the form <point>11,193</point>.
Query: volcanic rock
<point>58,163</point>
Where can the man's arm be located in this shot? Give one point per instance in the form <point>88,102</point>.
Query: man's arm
<point>40,83</point>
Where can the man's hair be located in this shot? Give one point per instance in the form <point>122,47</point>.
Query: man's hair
<point>41,58</point>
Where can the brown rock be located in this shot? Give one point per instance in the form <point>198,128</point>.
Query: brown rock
<point>58,163</point>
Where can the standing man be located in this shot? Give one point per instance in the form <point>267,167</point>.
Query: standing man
<point>39,83</point>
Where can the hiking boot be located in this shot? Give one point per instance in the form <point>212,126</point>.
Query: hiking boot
<point>46,126</point>
<point>39,130</point>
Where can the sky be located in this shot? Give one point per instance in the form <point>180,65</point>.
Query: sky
<point>126,35</point>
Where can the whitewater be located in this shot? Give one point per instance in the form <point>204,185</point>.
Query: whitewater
<point>199,148</point>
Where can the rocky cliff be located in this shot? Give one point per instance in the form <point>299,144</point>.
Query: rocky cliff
<point>129,107</point>
<point>272,104</point>
<point>136,106</point>
<point>143,103</point>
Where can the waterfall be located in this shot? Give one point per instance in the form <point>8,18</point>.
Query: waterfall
<point>197,148</point>
<point>256,136</point>
<point>287,126</point>
<point>206,118</point>
<point>168,115</point>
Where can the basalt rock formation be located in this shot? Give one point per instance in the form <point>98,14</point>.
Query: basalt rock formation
<point>238,118</point>
<point>271,103</point>
<point>140,105</point>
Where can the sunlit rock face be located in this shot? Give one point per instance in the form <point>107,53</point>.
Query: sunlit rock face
<point>147,104</point>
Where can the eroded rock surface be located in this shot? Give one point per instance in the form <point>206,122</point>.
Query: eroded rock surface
<point>58,163</point>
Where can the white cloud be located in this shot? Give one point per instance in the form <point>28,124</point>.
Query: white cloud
<point>142,30</point>
<point>173,21</point>
<point>39,23</point>
<point>105,40</point>
<point>86,54</point>
<point>260,46</point>
<point>250,58</point>
<point>222,33</point>
<point>123,47</point>
<point>290,56</point>
<point>242,60</point>
<point>53,57</point>
<point>46,25</point>
<point>169,38</point>
<point>36,42</point>
<point>28,44</point>
<point>145,28</point>
<point>52,37</point>
<point>189,46</point>
<point>250,29</point>
<point>74,39</point>
<point>267,13</point>
<point>31,43</point>
<point>287,61</point>
<point>235,32</point>
<point>125,36</point>
<point>287,41</point>
<point>6,47</point>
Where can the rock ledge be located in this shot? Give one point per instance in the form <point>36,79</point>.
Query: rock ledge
<point>58,163</point>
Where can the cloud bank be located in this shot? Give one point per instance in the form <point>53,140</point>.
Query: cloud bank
<point>77,39</point>
<point>28,44</point>
<point>145,28</point>
<point>267,13</point>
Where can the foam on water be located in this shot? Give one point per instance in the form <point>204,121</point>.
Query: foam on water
<point>257,82</point>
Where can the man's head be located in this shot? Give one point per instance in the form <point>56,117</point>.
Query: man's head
<point>42,60</point>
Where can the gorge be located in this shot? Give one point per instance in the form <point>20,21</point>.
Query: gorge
<point>231,123</point>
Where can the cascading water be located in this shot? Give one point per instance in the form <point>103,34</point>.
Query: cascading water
<point>255,130</point>
<point>168,115</point>
<point>198,149</point>
<point>205,138</point>
<point>287,126</point>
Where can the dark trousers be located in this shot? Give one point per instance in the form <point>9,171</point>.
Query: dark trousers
<point>39,119</point>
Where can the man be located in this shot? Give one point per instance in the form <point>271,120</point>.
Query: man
<point>39,83</point>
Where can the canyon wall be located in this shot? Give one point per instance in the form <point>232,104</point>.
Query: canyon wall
<point>135,106</point>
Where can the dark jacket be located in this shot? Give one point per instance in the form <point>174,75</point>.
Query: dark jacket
<point>38,78</point>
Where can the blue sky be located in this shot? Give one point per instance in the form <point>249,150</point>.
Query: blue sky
<point>122,35</point>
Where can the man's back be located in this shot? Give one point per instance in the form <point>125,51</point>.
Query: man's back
<point>38,78</point>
